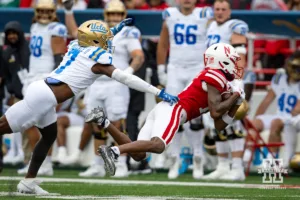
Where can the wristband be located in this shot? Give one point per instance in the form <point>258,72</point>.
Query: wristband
<point>227,119</point>
<point>239,101</point>
<point>68,12</point>
<point>129,70</point>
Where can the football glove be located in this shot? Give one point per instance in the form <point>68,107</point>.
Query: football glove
<point>240,91</point>
<point>116,29</point>
<point>167,97</point>
<point>68,4</point>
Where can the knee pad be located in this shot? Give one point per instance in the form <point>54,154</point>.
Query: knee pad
<point>220,136</point>
<point>196,124</point>
<point>100,135</point>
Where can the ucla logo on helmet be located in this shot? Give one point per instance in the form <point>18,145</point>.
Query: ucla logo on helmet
<point>100,28</point>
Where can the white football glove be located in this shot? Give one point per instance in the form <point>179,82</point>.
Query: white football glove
<point>240,91</point>
<point>162,75</point>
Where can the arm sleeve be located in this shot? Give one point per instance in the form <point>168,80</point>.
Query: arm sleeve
<point>134,82</point>
<point>239,27</point>
<point>249,77</point>
<point>165,14</point>
<point>101,56</point>
<point>275,81</point>
<point>133,40</point>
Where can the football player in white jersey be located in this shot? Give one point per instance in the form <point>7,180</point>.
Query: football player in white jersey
<point>108,93</point>
<point>47,46</point>
<point>231,140</point>
<point>285,90</point>
<point>184,31</point>
<point>87,58</point>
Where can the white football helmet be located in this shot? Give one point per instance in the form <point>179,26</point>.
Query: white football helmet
<point>223,56</point>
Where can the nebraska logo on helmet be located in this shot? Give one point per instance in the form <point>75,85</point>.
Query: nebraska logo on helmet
<point>223,56</point>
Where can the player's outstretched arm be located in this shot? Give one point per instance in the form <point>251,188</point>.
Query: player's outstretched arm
<point>116,29</point>
<point>69,18</point>
<point>133,82</point>
<point>216,106</point>
<point>263,106</point>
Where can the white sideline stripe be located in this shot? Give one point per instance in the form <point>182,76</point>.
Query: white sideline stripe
<point>56,196</point>
<point>134,182</point>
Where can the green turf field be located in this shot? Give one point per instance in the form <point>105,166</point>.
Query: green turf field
<point>67,185</point>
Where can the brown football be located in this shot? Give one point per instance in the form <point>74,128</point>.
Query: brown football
<point>225,95</point>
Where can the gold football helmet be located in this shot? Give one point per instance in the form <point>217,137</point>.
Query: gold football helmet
<point>293,66</point>
<point>95,33</point>
<point>45,11</point>
<point>114,7</point>
<point>242,111</point>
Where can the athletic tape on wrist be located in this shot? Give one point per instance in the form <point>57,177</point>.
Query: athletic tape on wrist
<point>68,12</point>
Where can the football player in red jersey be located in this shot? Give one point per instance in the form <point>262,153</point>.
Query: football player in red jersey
<point>202,95</point>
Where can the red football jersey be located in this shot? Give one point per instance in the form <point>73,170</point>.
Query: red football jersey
<point>194,98</point>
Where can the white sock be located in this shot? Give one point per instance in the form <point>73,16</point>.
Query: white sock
<point>195,139</point>
<point>175,146</point>
<point>116,150</point>
<point>290,141</point>
<point>48,159</point>
<point>18,143</point>
<point>222,147</point>
<point>98,160</point>
<point>122,159</point>
<point>223,159</point>
<point>78,151</point>
<point>62,149</point>
<point>237,144</point>
<point>237,163</point>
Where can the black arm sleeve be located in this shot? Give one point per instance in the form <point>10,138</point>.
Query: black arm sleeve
<point>57,59</point>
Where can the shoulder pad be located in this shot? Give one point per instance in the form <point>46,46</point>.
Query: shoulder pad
<point>101,56</point>
<point>249,77</point>
<point>239,27</point>
<point>132,32</point>
<point>277,77</point>
<point>206,12</point>
<point>57,29</point>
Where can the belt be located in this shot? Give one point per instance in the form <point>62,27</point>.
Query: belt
<point>53,81</point>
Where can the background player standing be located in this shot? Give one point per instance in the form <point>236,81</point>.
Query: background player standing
<point>184,31</point>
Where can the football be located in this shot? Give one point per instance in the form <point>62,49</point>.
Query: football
<point>225,95</point>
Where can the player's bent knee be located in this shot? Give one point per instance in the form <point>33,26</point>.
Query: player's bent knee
<point>4,126</point>
<point>277,125</point>
<point>138,156</point>
<point>158,146</point>
<point>258,124</point>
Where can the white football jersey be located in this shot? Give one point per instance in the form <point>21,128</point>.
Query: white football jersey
<point>126,41</point>
<point>222,33</point>
<point>75,69</point>
<point>187,35</point>
<point>287,94</point>
<point>41,58</point>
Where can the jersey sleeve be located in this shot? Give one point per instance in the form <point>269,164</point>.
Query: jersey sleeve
<point>216,80</point>
<point>58,29</point>
<point>239,27</point>
<point>166,14</point>
<point>101,56</point>
<point>207,12</point>
<point>276,81</point>
<point>133,39</point>
<point>249,77</point>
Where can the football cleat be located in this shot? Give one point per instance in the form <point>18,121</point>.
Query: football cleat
<point>174,169</point>
<point>109,158</point>
<point>93,171</point>
<point>98,116</point>
<point>31,186</point>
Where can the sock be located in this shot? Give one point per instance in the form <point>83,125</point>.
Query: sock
<point>290,142</point>
<point>48,159</point>
<point>175,146</point>
<point>116,150</point>
<point>237,163</point>
<point>195,139</point>
<point>18,143</point>
<point>222,147</point>
<point>122,159</point>
<point>223,159</point>
<point>98,160</point>
<point>237,144</point>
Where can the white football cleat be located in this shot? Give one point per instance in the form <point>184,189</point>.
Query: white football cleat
<point>46,169</point>
<point>221,170</point>
<point>174,169</point>
<point>23,170</point>
<point>121,170</point>
<point>93,171</point>
<point>8,159</point>
<point>234,175</point>
<point>73,159</point>
<point>62,154</point>
<point>18,159</point>
<point>31,186</point>
<point>197,167</point>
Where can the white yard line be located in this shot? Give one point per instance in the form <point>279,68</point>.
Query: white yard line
<point>168,183</point>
